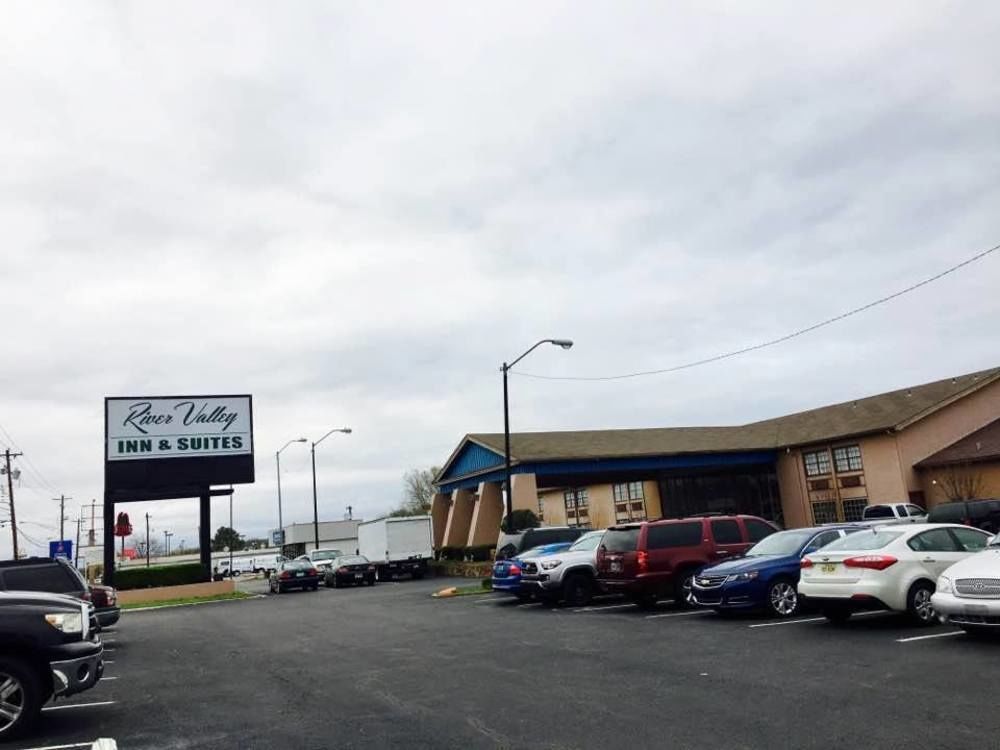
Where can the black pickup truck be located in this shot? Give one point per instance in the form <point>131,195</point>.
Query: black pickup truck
<point>49,647</point>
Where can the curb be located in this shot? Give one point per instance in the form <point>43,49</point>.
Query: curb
<point>193,604</point>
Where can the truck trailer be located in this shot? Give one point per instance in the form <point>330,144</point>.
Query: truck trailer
<point>397,545</point>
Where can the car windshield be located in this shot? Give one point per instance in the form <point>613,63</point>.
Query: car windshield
<point>325,554</point>
<point>587,542</point>
<point>297,565</point>
<point>878,511</point>
<point>863,540</point>
<point>994,543</point>
<point>781,543</point>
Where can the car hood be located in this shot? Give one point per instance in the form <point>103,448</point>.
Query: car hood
<point>745,564</point>
<point>39,597</point>
<point>985,564</point>
<point>565,556</point>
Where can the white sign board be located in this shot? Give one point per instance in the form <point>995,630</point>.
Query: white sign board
<point>143,428</point>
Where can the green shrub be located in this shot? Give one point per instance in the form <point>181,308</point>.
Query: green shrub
<point>164,575</point>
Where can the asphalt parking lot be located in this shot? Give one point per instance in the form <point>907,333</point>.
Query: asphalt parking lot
<point>389,667</point>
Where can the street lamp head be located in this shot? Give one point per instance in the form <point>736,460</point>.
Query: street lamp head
<point>564,343</point>
<point>300,440</point>
<point>347,430</point>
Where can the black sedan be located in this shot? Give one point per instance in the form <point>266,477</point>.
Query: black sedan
<point>294,574</point>
<point>350,570</point>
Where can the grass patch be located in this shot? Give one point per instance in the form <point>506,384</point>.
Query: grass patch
<point>189,600</point>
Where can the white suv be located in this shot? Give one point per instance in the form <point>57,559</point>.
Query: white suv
<point>569,576</point>
<point>968,593</point>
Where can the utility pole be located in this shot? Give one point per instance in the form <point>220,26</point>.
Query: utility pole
<point>92,537</point>
<point>62,516</point>
<point>147,540</point>
<point>10,494</point>
<point>76,560</point>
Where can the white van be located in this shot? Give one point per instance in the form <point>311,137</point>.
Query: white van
<point>266,564</point>
<point>241,566</point>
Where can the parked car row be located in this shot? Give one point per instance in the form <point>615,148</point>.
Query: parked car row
<point>50,647</point>
<point>929,571</point>
<point>333,572</point>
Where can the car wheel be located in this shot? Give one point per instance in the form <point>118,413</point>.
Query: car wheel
<point>684,588</point>
<point>523,597</point>
<point>918,603</point>
<point>782,598</point>
<point>837,615</point>
<point>578,590</point>
<point>236,573</point>
<point>20,697</point>
<point>315,586</point>
<point>370,581</point>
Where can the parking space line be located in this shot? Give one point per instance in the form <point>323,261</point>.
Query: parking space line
<point>108,661</point>
<point>107,678</point>
<point>601,609</point>
<point>62,747</point>
<point>787,622</point>
<point>925,637</point>
<point>677,614</point>
<point>79,705</point>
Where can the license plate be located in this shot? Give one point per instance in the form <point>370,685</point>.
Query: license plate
<point>827,568</point>
<point>299,575</point>
<point>357,576</point>
<point>616,567</point>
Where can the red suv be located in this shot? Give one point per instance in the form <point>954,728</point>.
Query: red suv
<point>654,559</point>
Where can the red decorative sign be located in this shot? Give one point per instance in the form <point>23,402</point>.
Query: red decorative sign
<point>122,526</point>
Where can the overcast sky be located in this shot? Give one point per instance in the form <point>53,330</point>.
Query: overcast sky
<point>356,211</point>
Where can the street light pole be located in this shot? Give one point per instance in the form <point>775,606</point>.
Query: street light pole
<point>312,450</point>
<point>565,344</point>
<point>277,461</point>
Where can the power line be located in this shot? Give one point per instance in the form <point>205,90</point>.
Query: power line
<point>780,339</point>
<point>30,465</point>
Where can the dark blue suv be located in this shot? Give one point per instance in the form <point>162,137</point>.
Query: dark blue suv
<point>767,576</point>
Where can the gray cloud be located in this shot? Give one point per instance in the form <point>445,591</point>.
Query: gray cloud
<point>357,212</point>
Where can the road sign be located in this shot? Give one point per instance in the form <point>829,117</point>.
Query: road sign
<point>277,538</point>
<point>61,549</point>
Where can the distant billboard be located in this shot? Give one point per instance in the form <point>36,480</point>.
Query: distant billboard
<point>165,443</point>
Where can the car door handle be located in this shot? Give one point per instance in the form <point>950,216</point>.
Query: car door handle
<point>929,559</point>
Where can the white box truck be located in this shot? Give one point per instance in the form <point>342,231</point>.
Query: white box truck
<point>397,545</point>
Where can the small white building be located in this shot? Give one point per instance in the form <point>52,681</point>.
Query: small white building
<point>301,537</point>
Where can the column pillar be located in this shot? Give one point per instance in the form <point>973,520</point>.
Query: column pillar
<point>459,518</point>
<point>487,514</point>
<point>440,510</point>
<point>205,532</point>
<point>524,492</point>
<point>108,577</point>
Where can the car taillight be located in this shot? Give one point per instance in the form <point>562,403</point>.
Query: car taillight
<point>313,572</point>
<point>514,570</point>
<point>642,560</point>
<point>343,570</point>
<point>806,563</point>
<point>371,568</point>
<point>87,596</point>
<point>871,562</point>
<point>285,574</point>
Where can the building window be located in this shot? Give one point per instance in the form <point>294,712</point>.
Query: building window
<point>847,458</point>
<point>541,507</point>
<point>824,512</point>
<point>854,508</point>
<point>630,502</point>
<point>577,502</point>
<point>817,463</point>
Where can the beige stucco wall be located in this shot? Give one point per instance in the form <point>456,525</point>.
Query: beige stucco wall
<point>524,492</point>
<point>944,427</point>
<point>883,473</point>
<point>988,474</point>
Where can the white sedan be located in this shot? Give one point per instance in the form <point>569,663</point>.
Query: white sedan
<point>968,594</point>
<point>887,567</point>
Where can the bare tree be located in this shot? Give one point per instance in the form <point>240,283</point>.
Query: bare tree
<point>418,491</point>
<point>961,482</point>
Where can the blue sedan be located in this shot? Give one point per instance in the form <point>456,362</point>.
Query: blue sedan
<point>767,576</point>
<point>507,573</point>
